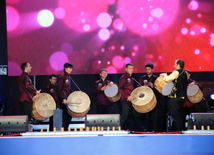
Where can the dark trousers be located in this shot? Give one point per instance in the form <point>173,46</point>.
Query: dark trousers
<point>104,109</point>
<point>175,110</point>
<point>148,120</point>
<point>126,109</point>
<point>186,111</point>
<point>25,108</point>
<point>66,117</point>
<point>51,123</point>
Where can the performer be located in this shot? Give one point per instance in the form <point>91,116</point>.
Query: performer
<point>149,80</point>
<point>178,94</point>
<point>26,91</point>
<point>52,90</point>
<point>64,91</point>
<point>187,106</point>
<point>104,105</point>
<point>126,86</point>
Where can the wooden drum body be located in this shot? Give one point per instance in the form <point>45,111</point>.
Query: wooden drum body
<point>79,104</point>
<point>144,99</point>
<point>163,87</point>
<point>112,93</point>
<point>43,106</point>
<point>194,94</point>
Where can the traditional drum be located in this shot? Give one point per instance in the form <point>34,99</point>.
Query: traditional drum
<point>194,94</point>
<point>144,99</point>
<point>43,106</point>
<point>79,104</point>
<point>112,93</point>
<point>163,87</point>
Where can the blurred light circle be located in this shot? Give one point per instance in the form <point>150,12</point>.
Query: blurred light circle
<point>111,69</point>
<point>184,31</point>
<point>104,20</point>
<point>12,18</point>
<point>196,29</point>
<point>104,34</point>
<point>118,24</point>
<point>188,20</point>
<point>57,60</point>
<point>197,51</point>
<point>45,18</point>
<point>127,60</point>
<point>212,41</point>
<point>67,48</point>
<point>118,61</point>
<point>86,27</point>
<point>203,30</point>
<point>212,96</point>
<point>59,13</point>
<point>193,5</point>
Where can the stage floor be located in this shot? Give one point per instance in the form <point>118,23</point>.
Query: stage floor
<point>120,142</point>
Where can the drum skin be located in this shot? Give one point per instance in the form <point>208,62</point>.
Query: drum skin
<point>163,87</point>
<point>43,106</point>
<point>79,104</point>
<point>112,93</point>
<point>194,94</point>
<point>144,99</point>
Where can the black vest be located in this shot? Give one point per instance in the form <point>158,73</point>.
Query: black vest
<point>180,85</point>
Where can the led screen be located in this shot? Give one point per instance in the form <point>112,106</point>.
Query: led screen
<point>95,34</point>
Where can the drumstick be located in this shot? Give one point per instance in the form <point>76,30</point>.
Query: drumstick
<point>71,103</point>
<point>141,95</point>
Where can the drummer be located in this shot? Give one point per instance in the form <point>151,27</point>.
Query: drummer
<point>64,90</point>
<point>149,80</point>
<point>126,86</point>
<point>178,94</point>
<point>104,105</point>
<point>52,90</point>
<point>187,106</point>
<point>26,91</point>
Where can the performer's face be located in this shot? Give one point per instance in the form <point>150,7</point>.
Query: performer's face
<point>188,75</point>
<point>103,74</point>
<point>149,70</point>
<point>176,65</point>
<point>129,69</point>
<point>53,80</point>
<point>68,70</point>
<point>28,68</point>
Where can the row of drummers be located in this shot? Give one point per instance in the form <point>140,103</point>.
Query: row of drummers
<point>144,99</point>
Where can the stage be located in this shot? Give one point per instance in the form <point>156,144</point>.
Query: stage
<point>107,142</point>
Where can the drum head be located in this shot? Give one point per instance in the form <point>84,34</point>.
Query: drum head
<point>45,104</point>
<point>192,90</point>
<point>167,89</point>
<point>81,102</point>
<point>142,95</point>
<point>111,91</point>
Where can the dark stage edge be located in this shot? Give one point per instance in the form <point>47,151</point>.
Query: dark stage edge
<point>107,143</point>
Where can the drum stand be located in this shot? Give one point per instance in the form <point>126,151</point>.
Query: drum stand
<point>57,119</point>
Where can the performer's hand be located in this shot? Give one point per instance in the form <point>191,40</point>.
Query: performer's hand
<point>130,98</point>
<point>38,92</point>
<point>151,84</point>
<point>110,84</point>
<point>103,88</point>
<point>192,83</point>
<point>65,101</point>
<point>162,74</point>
